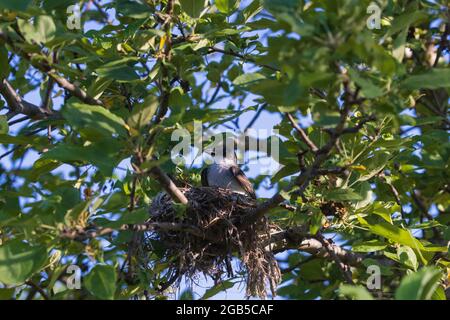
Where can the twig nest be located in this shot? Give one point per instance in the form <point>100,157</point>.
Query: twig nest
<point>209,233</point>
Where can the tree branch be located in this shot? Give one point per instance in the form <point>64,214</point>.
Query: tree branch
<point>47,69</point>
<point>38,289</point>
<point>82,234</point>
<point>308,174</point>
<point>73,89</point>
<point>17,105</point>
<point>297,238</point>
<point>442,44</point>
<point>311,145</point>
<point>168,185</point>
<point>242,57</point>
<point>331,249</point>
<point>255,117</point>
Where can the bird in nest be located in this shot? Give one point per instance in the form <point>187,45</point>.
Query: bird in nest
<point>225,172</point>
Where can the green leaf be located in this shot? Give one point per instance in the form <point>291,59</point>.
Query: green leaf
<point>218,288</point>
<point>285,171</point>
<point>433,79</point>
<point>34,141</point>
<point>277,93</point>
<point>101,154</point>
<point>4,128</point>
<point>101,282</point>
<point>369,246</point>
<point>56,4</point>
<point>323,116</point>
<point>316,222</point>
<point>98,86</point>
<point>375,164</point>
<point>355,292</point>
<point>193,7</point>
<point>403,21</point>
<point>439,294</point>
<point>407,256</point>
<point>42,166</point>
<point>368,88</point>
<point>251,10</point>
<point>143,112</point>
<point>135,217</point>
<point>187,294</point>
<point>14,5</point>
<point>393,233</point>
<point>342,195</point>
<point>399,45</point>
<point>19,261</point>
<point>365,191</point>
<point>118,70</point>
<point>94,122</point>
<point>7,293</point>
<point>419,285</point>
<point>281,6</point>
<point>248,78</point>
<point>447,234</point>
<point>313,270</point>
<point>40,30</point>
<point>227,6</point>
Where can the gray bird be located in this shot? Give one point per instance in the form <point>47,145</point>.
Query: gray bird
<point>225,173</point>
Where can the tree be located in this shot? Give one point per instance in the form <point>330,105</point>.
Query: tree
<point>362,198</point>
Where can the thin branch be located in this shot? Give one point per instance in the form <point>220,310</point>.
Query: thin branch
<point>216,92</point>
<point>133,194</point>
<point>255,117</point>
<point>164,85</point>
<point>47,69</point>
<point>331,249</point>
<point>240,56</point>
<point>394,192</point>
<point>422,207</point>
<point>102,12</point>
<point>73,89</point>
<point>168,185</point>
<point>19,145</point>
<point>38,289</point>
<point>296,238</point>
<point>307,175</point>
<point>359,126</point>
<point>82,235</point>
<point>7,153</point>
<point>415,194</point>
<point>17,105</point>
<point>13,122</point>
<point>48,94</point>
<point>311,145</point>
<point>442,44</point>
<point>335,171</point>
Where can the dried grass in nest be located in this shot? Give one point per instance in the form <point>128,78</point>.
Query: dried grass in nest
<point>214,212</point>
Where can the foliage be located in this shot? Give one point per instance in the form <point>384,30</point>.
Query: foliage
<point>372,171</point>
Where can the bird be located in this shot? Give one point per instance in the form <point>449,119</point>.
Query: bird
<point>225,173</point>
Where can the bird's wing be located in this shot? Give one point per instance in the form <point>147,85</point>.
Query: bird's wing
<point>243,181</point>
<point>204,175</point>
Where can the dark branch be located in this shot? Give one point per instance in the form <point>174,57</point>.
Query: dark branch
<point>242,57</point>
<point>311,145</point>
<point>168,185</point>
<point>17,105</point>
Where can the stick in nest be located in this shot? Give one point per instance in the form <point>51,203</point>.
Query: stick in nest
<point>214,211</point>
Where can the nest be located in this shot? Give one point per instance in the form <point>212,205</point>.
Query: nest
<point>215,212</point>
